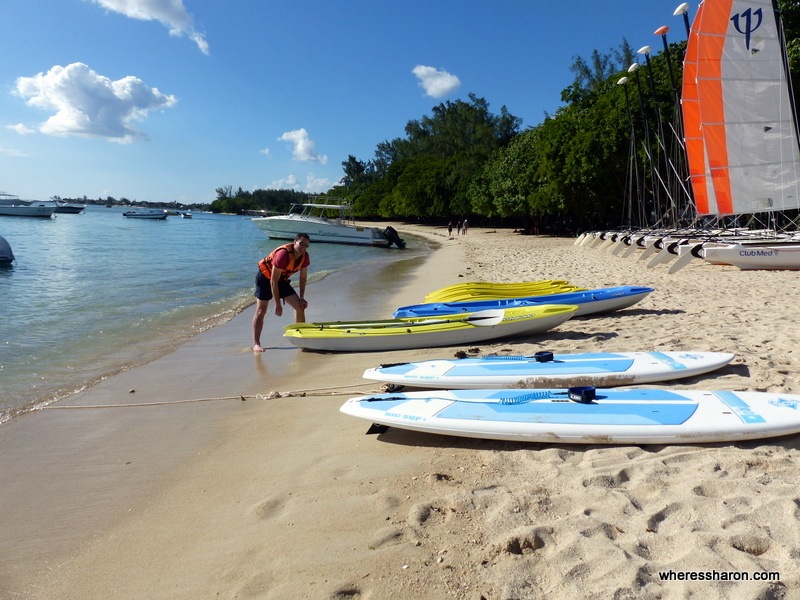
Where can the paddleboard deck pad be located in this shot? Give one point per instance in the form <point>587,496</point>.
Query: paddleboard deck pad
<point>545,369</point>
<point>612,416</point>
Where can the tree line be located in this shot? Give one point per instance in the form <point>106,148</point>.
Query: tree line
<point>610,156</point>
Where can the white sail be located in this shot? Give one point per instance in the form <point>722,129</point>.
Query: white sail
<point>749,148</point>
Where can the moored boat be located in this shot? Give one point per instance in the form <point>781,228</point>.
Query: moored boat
<point>326,222</point>
<point>155,215</point>
<point>427,332</point>
<point>69,208</point>
<point>6,254</point>
<point>12,206</point>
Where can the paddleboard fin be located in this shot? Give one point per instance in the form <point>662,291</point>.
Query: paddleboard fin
<point>376,429</point>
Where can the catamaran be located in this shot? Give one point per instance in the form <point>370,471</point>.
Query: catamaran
<point>741,140</point>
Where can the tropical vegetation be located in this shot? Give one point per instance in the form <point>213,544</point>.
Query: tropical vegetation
<point>609,156</point>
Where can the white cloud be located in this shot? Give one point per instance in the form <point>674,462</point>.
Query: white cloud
<point>303,149</point>
<point>170,13</point>
<point>436,83</point>
<point>288,183</point>
<point>91,105</point>
<point>313,185</point>
<point>265,151</point>
<point>317,185</point>
<point>21,129</point>
<point>11,152</point>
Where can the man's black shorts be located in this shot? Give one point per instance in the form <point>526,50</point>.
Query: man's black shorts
<point>264,289</point>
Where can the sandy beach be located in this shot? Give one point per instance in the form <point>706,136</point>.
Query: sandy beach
<point>214,473</point>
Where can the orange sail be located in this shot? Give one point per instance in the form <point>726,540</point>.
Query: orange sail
<point>744,138</point>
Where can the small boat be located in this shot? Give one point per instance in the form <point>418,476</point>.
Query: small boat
<point>12,206</point>
<point>491,291</point>
<point>68,208</point>
<point>589,302</point>
<point>326,222</point>
<point>545,369</point>
<point>6,254</point>
<point>155,215</point>
<point>186,215</point>
<point>426,332</point>
<point>586,415</point>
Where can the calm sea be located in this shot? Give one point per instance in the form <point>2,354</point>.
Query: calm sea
<point>94,293</point>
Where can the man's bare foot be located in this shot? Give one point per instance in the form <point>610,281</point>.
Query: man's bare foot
<point>257,348</point>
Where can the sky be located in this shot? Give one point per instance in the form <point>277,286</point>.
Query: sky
<point>168,100</point>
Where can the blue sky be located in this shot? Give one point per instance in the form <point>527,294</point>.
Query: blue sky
<point>167,100</point>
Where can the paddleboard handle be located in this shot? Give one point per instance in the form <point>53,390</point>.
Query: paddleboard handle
<point>543,356</point>
<point>582,394</point>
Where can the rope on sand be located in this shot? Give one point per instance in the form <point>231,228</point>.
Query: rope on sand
<point>269,396</point>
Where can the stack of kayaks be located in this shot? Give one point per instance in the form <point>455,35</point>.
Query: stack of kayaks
<point>476,290</point>
<point>588,301</point>
<point>560,398</point>
<point>427,332</point>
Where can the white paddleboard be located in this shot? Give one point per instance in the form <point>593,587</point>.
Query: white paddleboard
<point>614,416</point>
<point>601,369</point>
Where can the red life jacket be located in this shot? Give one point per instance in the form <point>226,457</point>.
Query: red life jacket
<point>295,263</point>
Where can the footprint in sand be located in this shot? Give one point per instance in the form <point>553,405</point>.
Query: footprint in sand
<point>347,592</point>
<point>384,537</point>
<point>269,508</point>
<point>420,513</point>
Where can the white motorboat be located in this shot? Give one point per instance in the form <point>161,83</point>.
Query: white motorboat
<point>69,208</point>
<point>6,254</point>
<point>326,223</point>
<point>155,215</point>
<point>12,206</point>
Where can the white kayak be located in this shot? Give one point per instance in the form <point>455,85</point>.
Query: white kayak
<point>545,369</point>
<point>585,415</point>
<point>427,332</point>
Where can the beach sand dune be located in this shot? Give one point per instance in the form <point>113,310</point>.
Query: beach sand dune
<point>288,498</point>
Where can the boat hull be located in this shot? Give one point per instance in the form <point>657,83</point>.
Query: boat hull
<point>406,334</point>
<point>286,227</point>
<point>41,211</point>
<point>763,257</point>
<point>6,254</point>
<point>153,216</point>
<point>69,209</point>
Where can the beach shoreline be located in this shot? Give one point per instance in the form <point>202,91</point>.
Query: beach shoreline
<point>288,498</point>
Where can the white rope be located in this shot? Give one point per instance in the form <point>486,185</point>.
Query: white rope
<point>271,395</point>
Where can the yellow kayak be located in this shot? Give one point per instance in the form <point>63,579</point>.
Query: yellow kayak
<point>485,291</point>
<point>427,332</point>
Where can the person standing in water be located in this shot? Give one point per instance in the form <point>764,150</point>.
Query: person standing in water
<point>272,281</point>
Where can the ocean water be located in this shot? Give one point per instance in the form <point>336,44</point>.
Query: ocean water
<point>95,293</point>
